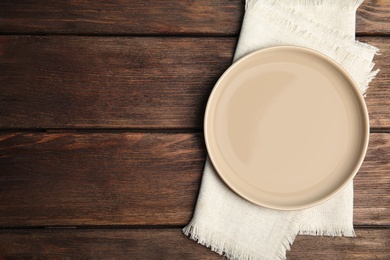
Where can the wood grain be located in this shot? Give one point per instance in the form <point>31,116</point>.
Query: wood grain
<point>81,179</point>
<point>378,94</point>
<point>172,244</point>
<point>99,179</point>
<point>373,17</point>
<point>93,82</point>
<point>372,194</point>
<point>368,244</point>
<point>144,83</point>
<point>216,17</point>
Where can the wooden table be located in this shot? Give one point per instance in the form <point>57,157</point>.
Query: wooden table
<point>101,145</point>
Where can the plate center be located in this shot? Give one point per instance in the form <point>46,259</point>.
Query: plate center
<point>283,126</point>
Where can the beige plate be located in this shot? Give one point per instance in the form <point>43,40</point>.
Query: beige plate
<point>286,127</point>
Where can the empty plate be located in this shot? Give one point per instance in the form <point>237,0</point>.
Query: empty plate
<point>286,127</point>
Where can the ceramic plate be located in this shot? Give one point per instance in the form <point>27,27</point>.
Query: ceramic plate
<point>286,128</point>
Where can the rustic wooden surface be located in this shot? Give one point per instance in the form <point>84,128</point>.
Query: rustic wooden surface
<point>169,243</point>
<point>80,179</point>
<point>101,145</point>
<point>215,17</point>
<point>128,82</point>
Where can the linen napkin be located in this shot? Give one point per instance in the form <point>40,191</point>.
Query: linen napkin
<point>229,224</point>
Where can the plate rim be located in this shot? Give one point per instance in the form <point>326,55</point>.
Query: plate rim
<point>360,100</point>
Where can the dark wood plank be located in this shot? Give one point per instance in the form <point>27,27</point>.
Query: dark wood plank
<point>105,82</point>
<point>217,17</point>
<point>378,95</point>
<point>368,244</point>
<point>372,184</point>
<point>78,179</point>
<point>373,17</point>
<point>49,82</point>
<point>98,179</point>
<point>172,244</point>
<point>121,17</point>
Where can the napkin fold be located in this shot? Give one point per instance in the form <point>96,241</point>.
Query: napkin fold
<point>229,224</point>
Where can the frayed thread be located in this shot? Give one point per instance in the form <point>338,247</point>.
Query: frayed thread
<point>371,76</point>
<point>219,243</point>
<point>328,231</point>
<point>222,245</point>
<point>290,235</point>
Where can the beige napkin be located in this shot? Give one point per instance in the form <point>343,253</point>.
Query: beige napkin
<point>224,221</point>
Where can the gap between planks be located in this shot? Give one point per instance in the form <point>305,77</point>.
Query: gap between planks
<point>133,130</point>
